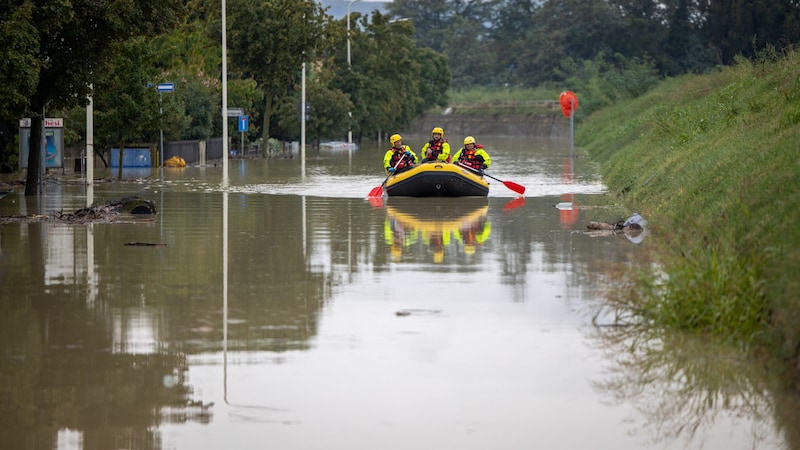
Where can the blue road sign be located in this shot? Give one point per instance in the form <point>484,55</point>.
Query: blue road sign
<point>166,87</point>
<point>243,121</point>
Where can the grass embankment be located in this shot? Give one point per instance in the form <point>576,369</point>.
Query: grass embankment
<point>713,162</point>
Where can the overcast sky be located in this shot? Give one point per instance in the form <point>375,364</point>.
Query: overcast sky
<point>338,8</point>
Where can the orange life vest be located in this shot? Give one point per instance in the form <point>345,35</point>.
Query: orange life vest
<point>434,149</point>
<point>396,155</point>
<point>469,158</point>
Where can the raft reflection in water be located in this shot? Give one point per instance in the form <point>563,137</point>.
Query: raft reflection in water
<point>457,227</point>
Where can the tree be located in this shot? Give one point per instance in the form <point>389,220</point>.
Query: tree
<point>478,65</point>
<point>124,110</point>
<point>65,45</point>
<point>395,81</point>
<point>744,27</point>
<point>511,21</point>
<point>682,47</point>
<point>19,65</point>
<point>433,18</point>
<point>190,56</point>
<point>327,109</point>
<point>269,40</point>
<point>576,29</point>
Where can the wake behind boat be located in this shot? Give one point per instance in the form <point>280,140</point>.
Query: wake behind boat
<point>436,179</point>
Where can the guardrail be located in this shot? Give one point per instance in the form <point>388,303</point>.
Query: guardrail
<point>508,104</point>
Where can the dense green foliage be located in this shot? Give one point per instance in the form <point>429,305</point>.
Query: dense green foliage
<point>403,64</point>
<point>269,41</point>
<point>396,81</point>
<point>390,82</point>
<point>712,162</point>
<point>53,53</point>
<point>525,42</point>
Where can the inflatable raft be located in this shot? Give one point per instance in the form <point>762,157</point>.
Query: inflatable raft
<point>436,180</point>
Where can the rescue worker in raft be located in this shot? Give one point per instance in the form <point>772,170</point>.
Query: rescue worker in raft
<point>399,157</point>
<point>473,155</point>
<point>437,149</point>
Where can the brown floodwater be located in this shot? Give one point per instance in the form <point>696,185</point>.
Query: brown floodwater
<point>280,308</point>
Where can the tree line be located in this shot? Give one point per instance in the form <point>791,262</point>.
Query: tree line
<point>527,42</point>
<point>401,64</point>
<point>57,56</point>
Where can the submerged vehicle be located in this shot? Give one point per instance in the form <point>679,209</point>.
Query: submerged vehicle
<point>436,179</point>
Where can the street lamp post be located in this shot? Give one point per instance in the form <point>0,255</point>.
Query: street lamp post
<point>348,30</point>
<point>349,66</point>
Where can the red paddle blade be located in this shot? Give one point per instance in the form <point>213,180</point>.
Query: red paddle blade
<point>377,191</point>
<point>376,202</point>
<point>518,188</point>
<point>514,204</point>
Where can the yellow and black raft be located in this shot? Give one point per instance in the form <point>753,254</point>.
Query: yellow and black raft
<point>436,180</point>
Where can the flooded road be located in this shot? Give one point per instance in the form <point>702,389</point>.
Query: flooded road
<point>288,311</point>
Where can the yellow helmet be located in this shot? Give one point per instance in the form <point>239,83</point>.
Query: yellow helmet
<point>438,130</point>
<point>395,138</point>
<point>469,249</point>
<point>469,140</point>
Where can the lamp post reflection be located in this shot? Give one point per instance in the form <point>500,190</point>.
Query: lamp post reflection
<point>256,412</point>
<point>349,66</point>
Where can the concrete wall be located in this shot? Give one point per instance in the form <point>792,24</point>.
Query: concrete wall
<point>194,151</point>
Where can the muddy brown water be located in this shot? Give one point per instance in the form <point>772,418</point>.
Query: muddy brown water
<point>288,311</point>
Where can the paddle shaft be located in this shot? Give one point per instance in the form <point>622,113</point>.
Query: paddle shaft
<point>402,157</point>
<point>373,192</point>
<point>518,188</point>
<point>484,174</point>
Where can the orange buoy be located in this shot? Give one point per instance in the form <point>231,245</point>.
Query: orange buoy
<point>569,103</point>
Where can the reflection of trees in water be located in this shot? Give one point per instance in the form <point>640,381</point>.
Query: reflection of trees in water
<point>534,238</point>
<point>59,373</point>
<point>683,386</point>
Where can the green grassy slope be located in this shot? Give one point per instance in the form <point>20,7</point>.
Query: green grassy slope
<point>713,162</point>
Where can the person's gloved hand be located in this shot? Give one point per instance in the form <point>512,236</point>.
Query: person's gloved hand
<point>484,167</point>
<point>408,154</point>
<point>391,169</point>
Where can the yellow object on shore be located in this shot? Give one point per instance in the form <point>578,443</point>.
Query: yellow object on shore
<point>175,161</point>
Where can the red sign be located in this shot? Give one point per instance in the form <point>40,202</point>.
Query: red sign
<point>48,123</point>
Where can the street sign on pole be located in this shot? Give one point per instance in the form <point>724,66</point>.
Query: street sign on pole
<point>161,87</point>
<point>235,112</point>
<point>243,122</point>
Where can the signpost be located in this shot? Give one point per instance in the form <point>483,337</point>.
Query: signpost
<point>569,104</point>
<point>235,112</point>
<point>243,122</point>
<point>162,87</point>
